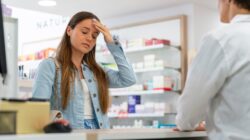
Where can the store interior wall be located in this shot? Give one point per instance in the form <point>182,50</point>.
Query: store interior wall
<point>205,20</point>
<point>200,20</point>
<point>36,26</point>
<point>186,9</point>
<point>29,20</point>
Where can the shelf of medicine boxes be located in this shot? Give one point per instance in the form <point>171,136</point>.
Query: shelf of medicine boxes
<point>144,48</point>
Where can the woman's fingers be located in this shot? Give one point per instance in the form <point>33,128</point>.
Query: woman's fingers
<point>176,129</point>
<point>99,26</point>
<point>104,30</point>
<point>100,29</point>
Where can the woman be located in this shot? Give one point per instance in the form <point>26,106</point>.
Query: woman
<point>218,84</point>
<point>81,89</point>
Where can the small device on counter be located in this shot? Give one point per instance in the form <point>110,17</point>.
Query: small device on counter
<point>31,115</point>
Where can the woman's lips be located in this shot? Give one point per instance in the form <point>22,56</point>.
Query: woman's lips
<point>85,44</point>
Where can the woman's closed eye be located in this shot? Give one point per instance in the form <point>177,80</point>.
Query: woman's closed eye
<point>84,32</point>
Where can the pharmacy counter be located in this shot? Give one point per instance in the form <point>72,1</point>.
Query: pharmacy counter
<point>66,136</point>
<point>135,134</point>
<point>122,134</point>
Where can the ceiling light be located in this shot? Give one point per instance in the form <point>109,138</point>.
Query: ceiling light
<point>47,3</point>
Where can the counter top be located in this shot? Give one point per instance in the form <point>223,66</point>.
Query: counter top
<point>64,136</point>
<point>114,134</point>
<point>131,134</point>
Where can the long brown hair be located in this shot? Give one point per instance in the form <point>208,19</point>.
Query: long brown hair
<point>63,56</point>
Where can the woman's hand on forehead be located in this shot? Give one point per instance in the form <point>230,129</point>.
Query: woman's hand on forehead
<point>104,30</point>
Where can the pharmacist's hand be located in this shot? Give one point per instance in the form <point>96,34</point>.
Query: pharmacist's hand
<point>201,127</point>
<point>104,30</point>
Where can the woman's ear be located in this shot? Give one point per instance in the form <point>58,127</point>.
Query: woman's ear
<point>69,30</point>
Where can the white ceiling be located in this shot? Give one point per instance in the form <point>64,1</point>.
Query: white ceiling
<point>105,8</point>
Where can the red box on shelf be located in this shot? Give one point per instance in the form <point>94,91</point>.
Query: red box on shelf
<point>148,42</point>
<point>160,41</point>
<point>155,41</point>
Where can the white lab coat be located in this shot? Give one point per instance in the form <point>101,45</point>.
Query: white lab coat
<point>218,84</point>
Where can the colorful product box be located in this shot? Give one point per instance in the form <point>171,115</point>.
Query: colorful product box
<point>155,41</point>
<point>132,102</point>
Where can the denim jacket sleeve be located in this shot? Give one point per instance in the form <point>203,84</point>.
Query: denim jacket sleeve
<point>44,80</point>
<point>125,75</point>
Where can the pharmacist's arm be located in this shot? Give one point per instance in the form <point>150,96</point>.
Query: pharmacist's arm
<point>44,80</point>
<point>205,78</point>
<point>125,75</point>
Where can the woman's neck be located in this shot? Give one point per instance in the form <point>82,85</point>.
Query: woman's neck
<point>76,58</point>
<point>235,10</point>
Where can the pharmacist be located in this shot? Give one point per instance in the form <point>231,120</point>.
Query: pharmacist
<point>218,84</point>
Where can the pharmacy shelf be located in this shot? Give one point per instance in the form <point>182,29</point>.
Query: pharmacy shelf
<point>30,62</point>
<point>142,48</point>
<point>148,48</point>
<point>25,83</point>
<point>135,115</point>
<point>155,69</point>
<point>146,92</point>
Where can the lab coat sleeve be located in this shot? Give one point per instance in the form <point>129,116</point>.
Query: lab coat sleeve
<point>206,77</point>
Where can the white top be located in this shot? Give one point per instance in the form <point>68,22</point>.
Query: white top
<point>218,84</point>
<point>88,110</point>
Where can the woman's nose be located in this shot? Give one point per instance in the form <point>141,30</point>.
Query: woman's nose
<point>88,37</point>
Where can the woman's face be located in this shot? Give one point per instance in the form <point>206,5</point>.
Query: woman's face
<point>83,36</point>
<point>224,7</point>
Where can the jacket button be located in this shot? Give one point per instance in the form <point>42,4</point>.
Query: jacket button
<point>100,124</point>
<point>89,80</point>
<point>116,43</point>
<point>94,95</point>
<point>97,109</point>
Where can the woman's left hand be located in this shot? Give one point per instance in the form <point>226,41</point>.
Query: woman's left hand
<point>104,30</point>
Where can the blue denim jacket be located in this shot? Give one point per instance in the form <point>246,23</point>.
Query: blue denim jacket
<point>44,84</point>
